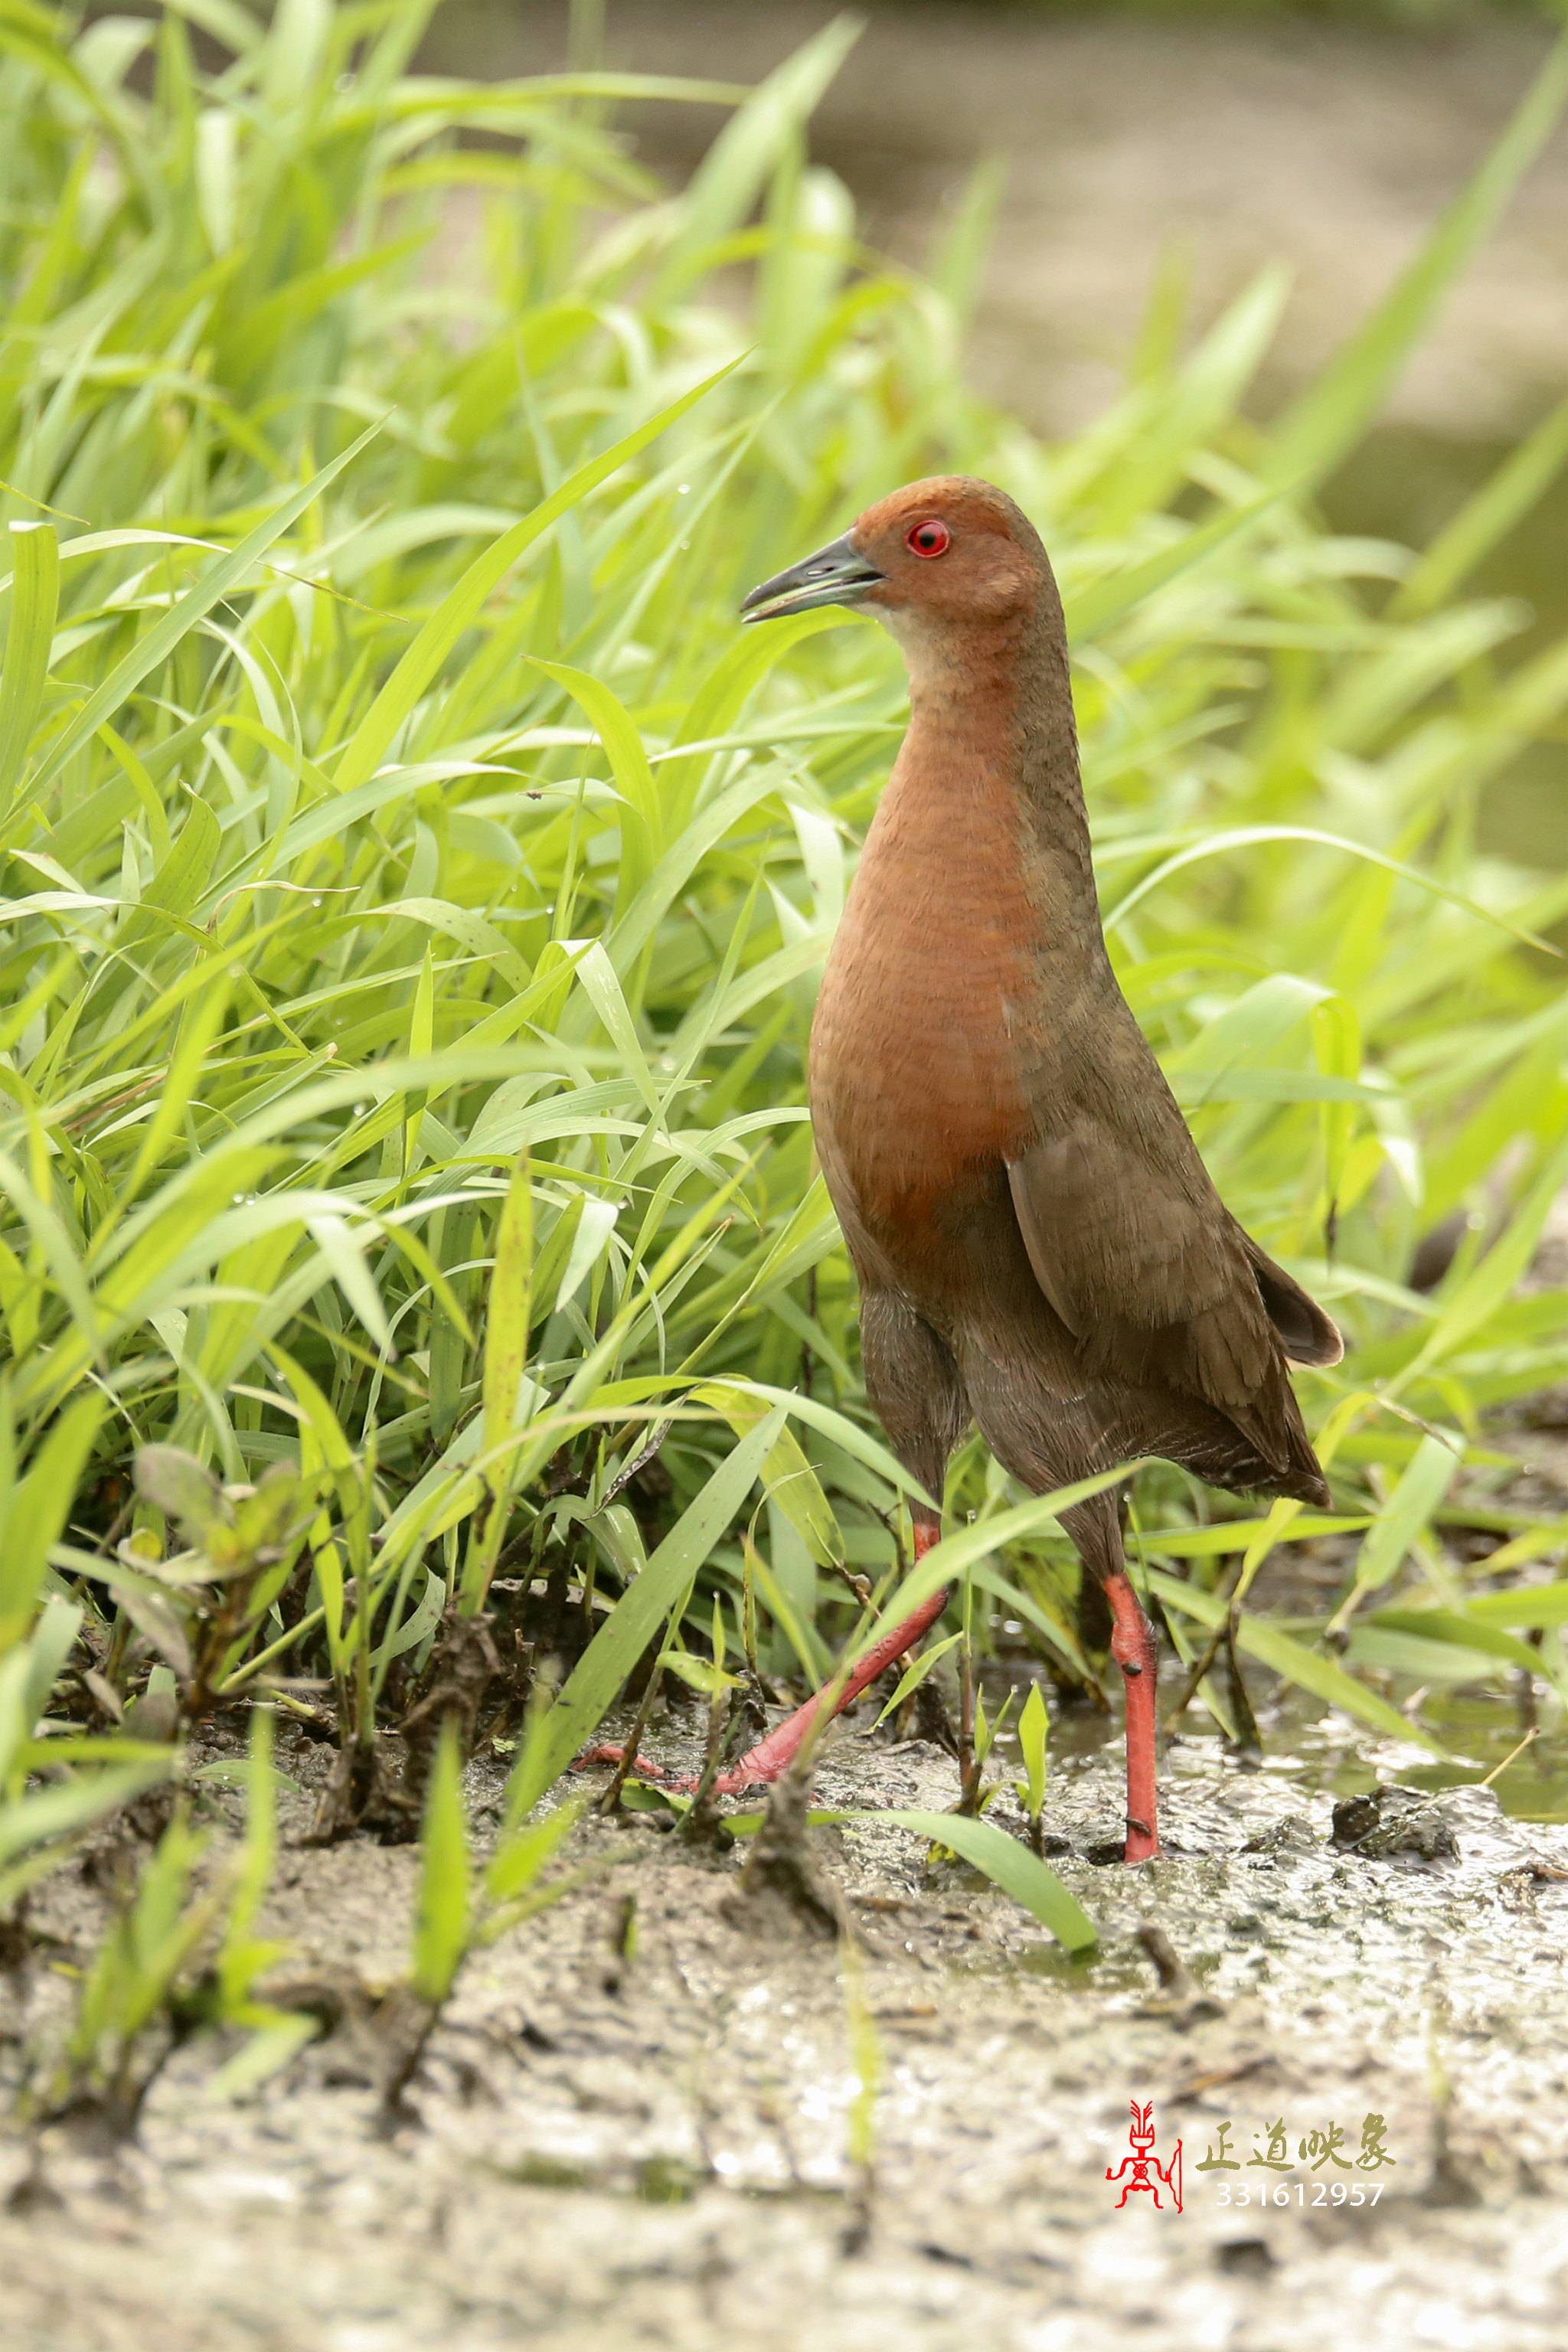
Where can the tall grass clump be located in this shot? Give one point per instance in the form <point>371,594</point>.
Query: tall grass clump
<point>412,1264</point>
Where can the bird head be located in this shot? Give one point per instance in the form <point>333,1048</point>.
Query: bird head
<point>937,555</point>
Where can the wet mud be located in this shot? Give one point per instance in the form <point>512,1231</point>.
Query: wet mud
<point>642,2119</point>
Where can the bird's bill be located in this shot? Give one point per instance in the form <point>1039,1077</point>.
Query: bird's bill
<point>835,574</point>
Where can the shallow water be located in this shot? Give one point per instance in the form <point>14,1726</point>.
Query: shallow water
<point>1322,1750</point>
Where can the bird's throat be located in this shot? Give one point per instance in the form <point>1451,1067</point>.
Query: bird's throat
<point>991,710</point>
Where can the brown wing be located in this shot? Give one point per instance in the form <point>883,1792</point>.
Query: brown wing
<point>1158,1284</point>
<point>1111,1238</point>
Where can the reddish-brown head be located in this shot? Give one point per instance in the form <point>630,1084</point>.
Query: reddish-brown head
<point>941,554</point>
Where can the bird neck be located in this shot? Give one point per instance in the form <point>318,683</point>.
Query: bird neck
<point>996,700</point>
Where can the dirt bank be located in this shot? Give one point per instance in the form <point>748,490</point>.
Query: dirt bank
<point>1328,147</point>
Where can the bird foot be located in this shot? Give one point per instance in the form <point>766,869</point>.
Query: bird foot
<point>643,1766</point>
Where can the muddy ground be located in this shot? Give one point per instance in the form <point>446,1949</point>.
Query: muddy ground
<point>605,2152</point>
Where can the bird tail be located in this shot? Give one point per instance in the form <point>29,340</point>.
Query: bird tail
<point>1304,1480</point>
<point>1307,1334</point>
<point>1293,1467</point>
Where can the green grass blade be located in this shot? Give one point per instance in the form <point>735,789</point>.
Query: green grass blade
<point>29,636</point>
<point>394,705</point>
<point>1294,1664</point>
<point>1432,1471</point>
<point>58,1813</point>
<point>590,1689</point>
<point>1468,537</point>
<point>1327,420</point>
<point>217,580</point>
<point>442,1924</point>
<point>1012,1867</point>
<point>36,1510</point>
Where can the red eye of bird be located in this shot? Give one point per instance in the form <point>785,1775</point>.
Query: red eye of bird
<point>930,537</point>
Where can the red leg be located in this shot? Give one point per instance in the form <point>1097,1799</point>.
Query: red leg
<point>1133,1648</point>
<point>772,1756</point>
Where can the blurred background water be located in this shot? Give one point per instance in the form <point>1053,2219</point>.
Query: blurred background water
<point>1204,141</point>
